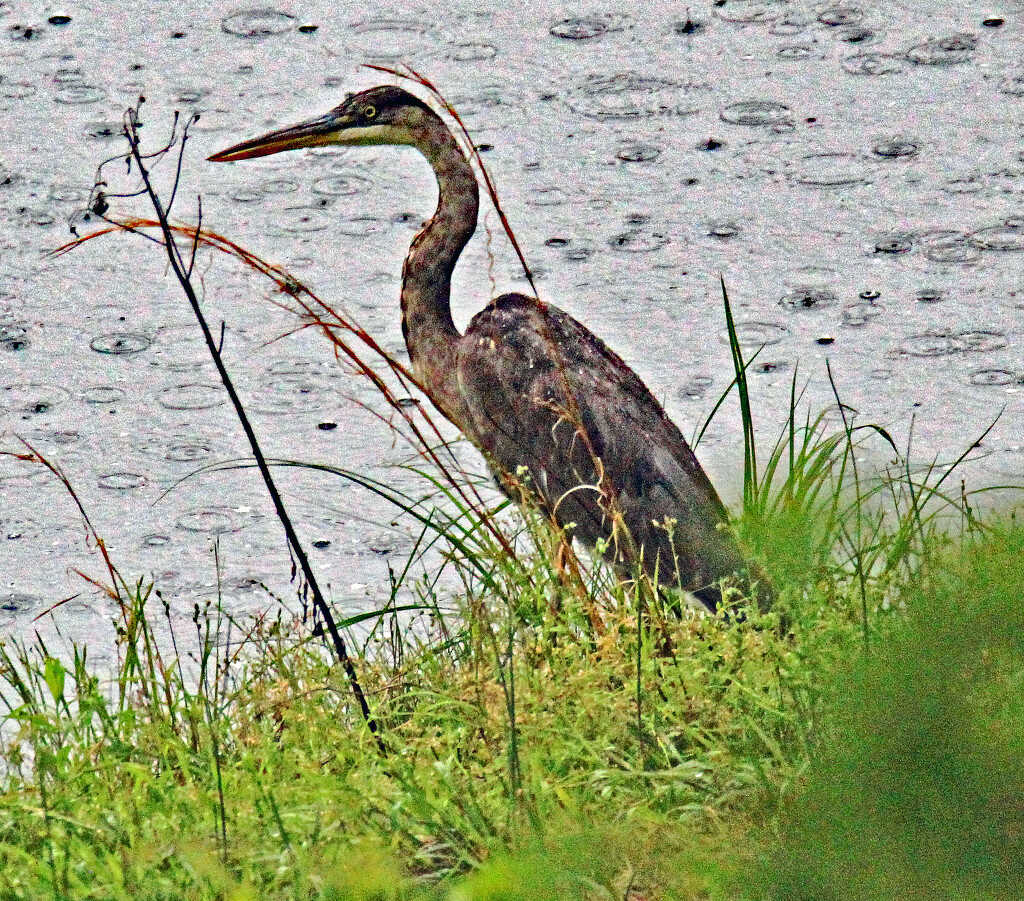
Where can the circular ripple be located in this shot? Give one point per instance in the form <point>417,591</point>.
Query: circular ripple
<point>723,229</point>
<point>980,341</point>
<point>944,344</point>
<point>757,113</point>
<point>360,226</point>
<point>122,481</point>
<point>67,75</point>
<point>546,196</point>
<point>856,315</point>
<point>993,378</point>
<point>101,394</point>
<point>950,248</point>
<point>789,24</point>
<point>31,398</point>
<point>208,522</point>
<point>189,96</point>
<point>927,345</point>
<point>76,194</point>
<point>258,23</point>
<point>290,395</point>
<point>391,38</point>
<point>187,450</point>
<point>756,334</point>
<point>626,96</point>
<point>78,94</point>
<point>247,195</point>
<point>840,15</point>
<point>55,437</point>
<point>1008,236</point>
<point>696,387</point>
<point>895,148</point>
<point>302,220</point>
<point>634,152</point>
<point>279,186</point>
<point>177,448</point>
<point>342,184</point>
<point>874,64</point>
<point>472,53</point>
<point>637,242</point>
<point>828,170</point>
<point>795,51</point>
<point>931,295</point>
<point>808,298</point>
<point>578,29</point>
<point>121,343</point>
<point>945,51</point>
<point>194,396</point>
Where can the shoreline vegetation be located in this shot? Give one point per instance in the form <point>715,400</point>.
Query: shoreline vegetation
<point>547,730</point>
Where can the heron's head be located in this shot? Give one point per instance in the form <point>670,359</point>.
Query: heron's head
<point>382,115</point>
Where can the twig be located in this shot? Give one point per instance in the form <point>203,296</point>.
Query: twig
<point>182,272</point>
<point>117,583</point>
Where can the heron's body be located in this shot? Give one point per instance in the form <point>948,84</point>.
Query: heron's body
<point>559,417</point>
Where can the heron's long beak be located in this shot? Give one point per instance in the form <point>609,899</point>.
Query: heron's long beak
<point>314,133</point>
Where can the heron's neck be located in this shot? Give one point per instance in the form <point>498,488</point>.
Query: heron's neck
<point>427,325</point>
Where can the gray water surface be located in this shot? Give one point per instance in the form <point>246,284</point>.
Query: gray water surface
<point>855,172</point>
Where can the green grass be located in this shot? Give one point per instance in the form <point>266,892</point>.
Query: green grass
<point>916,791</point>
<point>537,749</point>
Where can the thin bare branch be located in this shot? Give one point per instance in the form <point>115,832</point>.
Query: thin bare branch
<point>181,272</point>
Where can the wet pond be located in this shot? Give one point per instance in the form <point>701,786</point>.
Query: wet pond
<point>855,172</point>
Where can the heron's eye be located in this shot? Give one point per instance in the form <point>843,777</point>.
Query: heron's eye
<point>369,112</point>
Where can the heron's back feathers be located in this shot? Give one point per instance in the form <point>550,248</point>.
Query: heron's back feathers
<point>562,416</point>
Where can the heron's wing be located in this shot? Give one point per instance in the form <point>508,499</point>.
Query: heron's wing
<point>552,407</point>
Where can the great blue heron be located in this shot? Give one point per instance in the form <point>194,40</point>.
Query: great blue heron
<point>559,417</point>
